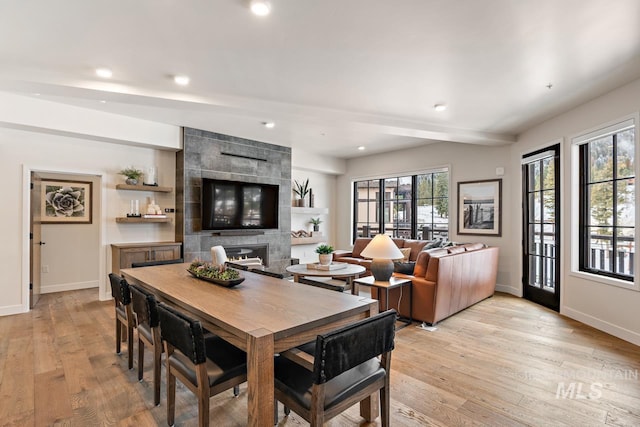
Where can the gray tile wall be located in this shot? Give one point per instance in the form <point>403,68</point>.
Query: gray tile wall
<point>202,157</point>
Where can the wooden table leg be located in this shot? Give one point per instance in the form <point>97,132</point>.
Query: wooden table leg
<point>260,378</point>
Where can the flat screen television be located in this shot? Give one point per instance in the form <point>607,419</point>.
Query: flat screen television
<point>236,205</point>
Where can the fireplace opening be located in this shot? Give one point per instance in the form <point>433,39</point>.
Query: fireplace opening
<point>248,251</point>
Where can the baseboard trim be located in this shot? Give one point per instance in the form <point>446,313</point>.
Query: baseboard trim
<point>602,325</point>
<point>68,287</point>
<point>509,290</point>
<point>12,309</point>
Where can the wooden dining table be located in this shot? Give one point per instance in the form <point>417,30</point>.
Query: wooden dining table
<point>263,316</point>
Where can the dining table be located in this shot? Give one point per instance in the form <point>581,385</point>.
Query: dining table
<point>263,315</point>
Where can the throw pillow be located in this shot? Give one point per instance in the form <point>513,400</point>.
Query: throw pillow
<point>404,267</point>
<point>433,244</point>
<point>405,254</point>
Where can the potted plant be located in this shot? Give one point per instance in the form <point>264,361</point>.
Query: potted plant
<point>132,174</point>
<point>301,189</point>
<point>325,254</point>
<point>316,223</point>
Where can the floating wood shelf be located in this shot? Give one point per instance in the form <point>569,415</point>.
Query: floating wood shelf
<point>130,220</point>
<point>307,240</point>
<point>155,188</point>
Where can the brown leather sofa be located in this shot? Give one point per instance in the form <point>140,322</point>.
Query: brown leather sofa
<point>446,281</point>
<point>353,256</point>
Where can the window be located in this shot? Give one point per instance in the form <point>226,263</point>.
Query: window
<point>607,201</point>
<point>412,206</point>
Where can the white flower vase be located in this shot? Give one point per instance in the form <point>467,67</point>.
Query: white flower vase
<point>325,259</point>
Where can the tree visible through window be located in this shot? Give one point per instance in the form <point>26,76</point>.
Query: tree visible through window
<point>413,206</point>
<point>607,208</point>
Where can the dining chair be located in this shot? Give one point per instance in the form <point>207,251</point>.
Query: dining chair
<point>267,273</point>
<point>327,283</point>
<point>205,363</point>
<point>236,266</point>
<point>156,262</point>
<point>146,310</point>
<point>346,370</point>
<point>218,255</point>
<point>125,321</point>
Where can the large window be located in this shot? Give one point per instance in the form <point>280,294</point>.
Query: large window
<point>411,206</point>
<point>607,201</point>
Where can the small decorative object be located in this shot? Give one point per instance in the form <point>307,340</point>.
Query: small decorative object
<point>382,249</point>
<point>324,254</point>
<point>480,207</point>
<point>66,202</point>
<point>134,209</point>
<point>311,199</point>
<point>132,174</point>
<point>153,209</point>
<point>151,176</point>
<point>218,274</point>
<point>301,189</point>
<point>316,223</point>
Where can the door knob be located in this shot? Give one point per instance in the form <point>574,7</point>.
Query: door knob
<point>41,243</point>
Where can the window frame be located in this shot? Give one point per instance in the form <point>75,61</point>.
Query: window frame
<point>382,202</point>
<point>579,224</point>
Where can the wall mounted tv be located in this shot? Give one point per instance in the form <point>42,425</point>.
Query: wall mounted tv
<point>235,205</point>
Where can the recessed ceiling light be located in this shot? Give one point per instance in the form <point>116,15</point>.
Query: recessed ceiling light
<point>439,107</point>
<point>269,125</point>
<point>105,73</point>
<point>103,101</point>
<point>260,7</point>
<point>36,94</point>
<point>361,148</point>
<point>181,80</point>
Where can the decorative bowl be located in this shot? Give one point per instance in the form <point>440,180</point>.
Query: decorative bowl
<point>225,283</point>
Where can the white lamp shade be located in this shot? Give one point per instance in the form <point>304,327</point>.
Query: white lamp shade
<point>382,247</point>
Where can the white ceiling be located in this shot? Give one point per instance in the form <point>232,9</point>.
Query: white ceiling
<point>332,74</point>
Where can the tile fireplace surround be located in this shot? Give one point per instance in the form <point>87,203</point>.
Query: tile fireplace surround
<point>217,156</point>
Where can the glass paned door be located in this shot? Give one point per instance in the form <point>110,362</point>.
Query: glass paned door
<point>541,248</point>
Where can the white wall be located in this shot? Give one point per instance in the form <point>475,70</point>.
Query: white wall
<point>465,162</point>
<point>606,307</point>
<point>324,190</point>
<point>71,252</point>
<point>35,147</point>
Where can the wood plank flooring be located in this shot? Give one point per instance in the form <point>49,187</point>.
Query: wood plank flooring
<point>502,362</point>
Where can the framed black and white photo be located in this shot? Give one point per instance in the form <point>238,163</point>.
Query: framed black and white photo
<point>480,207</point>
<point>66,202</point>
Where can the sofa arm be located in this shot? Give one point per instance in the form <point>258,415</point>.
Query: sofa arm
<point>341,253</point>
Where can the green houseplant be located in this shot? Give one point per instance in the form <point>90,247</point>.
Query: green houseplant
<point>324,253</point>
<point>132,174</point>
<point>301,189</point>
<point>316,223</point>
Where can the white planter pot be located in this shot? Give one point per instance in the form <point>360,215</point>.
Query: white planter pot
<point>325,259</point>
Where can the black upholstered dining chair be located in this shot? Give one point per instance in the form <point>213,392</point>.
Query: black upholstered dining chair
<point>145,307</point>
<point>346,370</point>
<point>125,321</point>
<point>267,273</point>
<point>205,363</point>
<point>156,262</point>
<point>236,266</point>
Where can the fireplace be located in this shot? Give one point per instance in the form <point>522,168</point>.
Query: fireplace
<point>249,251</point>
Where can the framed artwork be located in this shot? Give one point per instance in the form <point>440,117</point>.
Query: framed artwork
<point>480,207</point>
<point>66,202</point>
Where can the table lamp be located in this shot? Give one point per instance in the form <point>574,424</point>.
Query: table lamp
<point>382,249</point>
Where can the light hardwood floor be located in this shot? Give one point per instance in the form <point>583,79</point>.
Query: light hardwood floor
<point>502,362</point>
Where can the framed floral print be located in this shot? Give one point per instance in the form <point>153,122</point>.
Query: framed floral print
<point>66,202</point>
<point>480,207</point>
